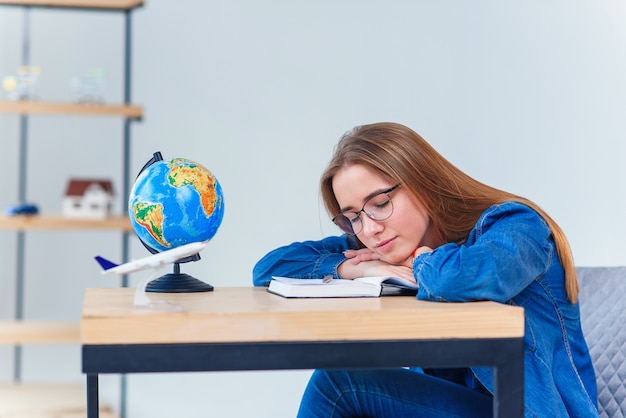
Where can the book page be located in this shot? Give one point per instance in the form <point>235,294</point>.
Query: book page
<point>388,280</point>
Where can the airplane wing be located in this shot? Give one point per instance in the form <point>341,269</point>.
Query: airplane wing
<point>152,261</point>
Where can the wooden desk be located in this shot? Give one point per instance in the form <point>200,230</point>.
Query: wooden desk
<point>245,328</point>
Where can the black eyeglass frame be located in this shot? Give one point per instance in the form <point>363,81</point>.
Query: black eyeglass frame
<point>336,219</point>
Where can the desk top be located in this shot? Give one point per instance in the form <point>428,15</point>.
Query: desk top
<point>246,314</point>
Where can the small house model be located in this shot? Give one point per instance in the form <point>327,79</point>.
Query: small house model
<point>88,199</point>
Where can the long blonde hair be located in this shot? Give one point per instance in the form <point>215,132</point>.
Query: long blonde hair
<point>453,200</point>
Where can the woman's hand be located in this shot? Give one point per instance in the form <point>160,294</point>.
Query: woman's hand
<point>421,250</point>
<point>363,254</point>
<point>373,267</point>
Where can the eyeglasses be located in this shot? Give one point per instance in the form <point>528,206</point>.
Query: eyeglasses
<point>378,208</point>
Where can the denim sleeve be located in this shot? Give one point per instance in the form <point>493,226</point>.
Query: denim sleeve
<point>510,246</point>
<point>303,260</point>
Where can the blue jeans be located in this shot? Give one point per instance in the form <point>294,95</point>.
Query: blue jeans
<point>389,393</point>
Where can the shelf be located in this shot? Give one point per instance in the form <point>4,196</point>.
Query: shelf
<point>59,401</point>
<point>78,4</point>
<point>43,222</point>
<point>49,108</point>
<point>38,332</point>
<point>46,401</point>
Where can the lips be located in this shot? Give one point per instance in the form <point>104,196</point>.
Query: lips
<point>385,245</point>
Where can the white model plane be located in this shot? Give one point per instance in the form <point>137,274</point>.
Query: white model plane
<point>153,261</point>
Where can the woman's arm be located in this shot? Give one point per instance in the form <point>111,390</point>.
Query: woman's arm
<point>510,247</point>
<point>304,260</point>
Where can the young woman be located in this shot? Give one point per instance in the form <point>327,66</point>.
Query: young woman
<point>406,211</point>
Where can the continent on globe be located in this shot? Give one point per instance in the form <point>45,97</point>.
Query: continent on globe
<point>175,202</point>
<point>150,217</point>
<point>183,175</point>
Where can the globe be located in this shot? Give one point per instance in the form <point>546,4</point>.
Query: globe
<point>175,202</point>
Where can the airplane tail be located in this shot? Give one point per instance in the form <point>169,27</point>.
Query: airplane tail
<point>104,263</point>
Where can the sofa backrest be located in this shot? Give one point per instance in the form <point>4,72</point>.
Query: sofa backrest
<point>603,316</point>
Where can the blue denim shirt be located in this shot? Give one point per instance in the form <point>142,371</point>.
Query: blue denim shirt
<point>509,257</point>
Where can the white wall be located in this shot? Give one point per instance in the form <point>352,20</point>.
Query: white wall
<point>527,96</point>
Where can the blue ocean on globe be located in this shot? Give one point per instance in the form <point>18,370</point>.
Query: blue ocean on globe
<point>175,202</point>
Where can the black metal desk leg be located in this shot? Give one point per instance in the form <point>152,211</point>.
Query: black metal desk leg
<point>92,396</point>
<point>508,400</point>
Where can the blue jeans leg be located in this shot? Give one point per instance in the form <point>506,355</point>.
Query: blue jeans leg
<point>389,393</point>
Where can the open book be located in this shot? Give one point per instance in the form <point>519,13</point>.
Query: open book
<point>361,287</point>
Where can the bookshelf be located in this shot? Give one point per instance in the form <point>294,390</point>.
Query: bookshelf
<point>64,400</point>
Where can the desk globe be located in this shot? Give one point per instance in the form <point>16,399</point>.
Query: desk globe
<point>173,203</point>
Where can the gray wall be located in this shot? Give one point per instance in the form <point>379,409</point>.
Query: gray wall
<point>527,96</point>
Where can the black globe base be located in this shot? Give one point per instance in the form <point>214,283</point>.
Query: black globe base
<point>177,283</point>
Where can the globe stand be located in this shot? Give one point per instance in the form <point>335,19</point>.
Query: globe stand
<point>177,282</point>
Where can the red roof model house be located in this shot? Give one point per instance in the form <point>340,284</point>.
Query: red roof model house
<point>88,199</point>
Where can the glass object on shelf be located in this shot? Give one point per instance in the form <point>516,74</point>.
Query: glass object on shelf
<point>23,85</point>
<point>90,87</point>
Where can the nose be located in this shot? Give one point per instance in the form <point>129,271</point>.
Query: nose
<point>370,226</point>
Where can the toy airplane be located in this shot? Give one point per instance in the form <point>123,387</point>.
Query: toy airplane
<point>152,261</point>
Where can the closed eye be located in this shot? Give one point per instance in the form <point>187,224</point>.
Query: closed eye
<point>352,216</point>
<point>382,204</point>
